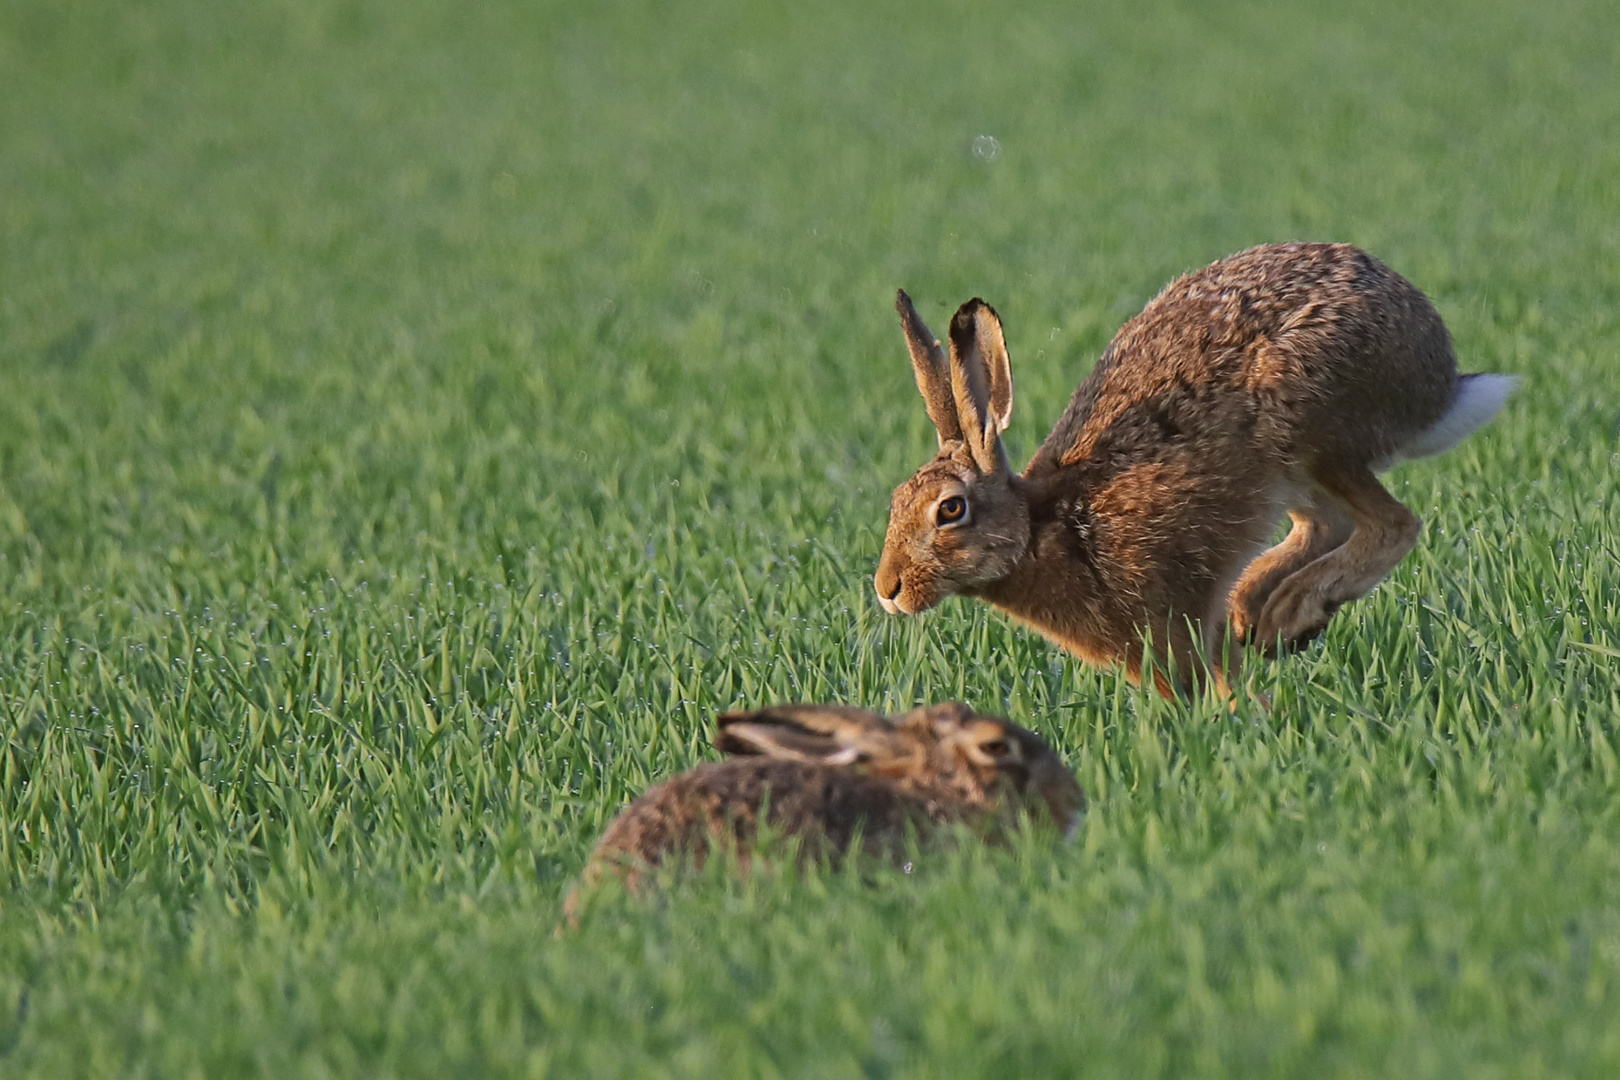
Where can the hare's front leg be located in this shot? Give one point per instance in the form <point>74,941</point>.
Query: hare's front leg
<point>1384,531</point>
<point>1184,656</point>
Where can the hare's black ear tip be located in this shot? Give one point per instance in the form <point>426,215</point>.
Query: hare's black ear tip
<point>902,302</point>
<point>728,743</point>
<point>729,719</point>
<point>962,322</point>
<point>731,733</point>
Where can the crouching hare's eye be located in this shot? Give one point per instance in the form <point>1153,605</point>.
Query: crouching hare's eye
<point>951,511</point>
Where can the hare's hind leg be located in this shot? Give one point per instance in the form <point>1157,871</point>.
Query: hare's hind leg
<point>1384,531</point>
<point>1319,527</point>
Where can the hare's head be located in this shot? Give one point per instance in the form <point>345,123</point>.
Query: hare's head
<point>947,751</point>
<point>960,523</point>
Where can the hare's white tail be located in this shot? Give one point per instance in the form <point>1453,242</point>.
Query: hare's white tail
<point>1478,399</point>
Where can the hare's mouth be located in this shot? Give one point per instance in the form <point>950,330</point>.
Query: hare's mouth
<point>900,604</point>
<point>904,601</point>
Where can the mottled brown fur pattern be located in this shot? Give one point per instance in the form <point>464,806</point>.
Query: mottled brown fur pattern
<point>1276,380</point>
<point>720,803</point>
<point>825,775</point>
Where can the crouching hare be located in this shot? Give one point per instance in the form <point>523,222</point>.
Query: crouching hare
<point>1280,379</point>
<point>827,774</point>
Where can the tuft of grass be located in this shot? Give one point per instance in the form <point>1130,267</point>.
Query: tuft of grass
<point>417,423</point>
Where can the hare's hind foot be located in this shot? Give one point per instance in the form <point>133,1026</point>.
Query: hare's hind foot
<point>1319,527</point>
<point>1383,531</point>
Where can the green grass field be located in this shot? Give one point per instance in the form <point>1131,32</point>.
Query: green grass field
<point>417,422</point>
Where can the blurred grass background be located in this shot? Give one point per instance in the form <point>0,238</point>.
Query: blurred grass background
<point>417,421</point>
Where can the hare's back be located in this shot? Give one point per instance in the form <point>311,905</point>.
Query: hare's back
<point>1302,349</point>
<point>825,807</point>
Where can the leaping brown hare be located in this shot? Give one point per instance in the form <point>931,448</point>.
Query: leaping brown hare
<point>829,775</point>
<point>1280,379</point>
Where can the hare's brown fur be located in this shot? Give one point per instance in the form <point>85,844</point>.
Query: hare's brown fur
<point>826,775</point>
<point>1276,380</point>
<point>721,803</point>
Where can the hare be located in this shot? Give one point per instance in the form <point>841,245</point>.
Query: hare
<point>827,774</point>
<point>1279,379</point>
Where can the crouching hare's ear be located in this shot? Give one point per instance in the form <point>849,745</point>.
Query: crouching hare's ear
<point>832,735</point>
<point>959,523</point>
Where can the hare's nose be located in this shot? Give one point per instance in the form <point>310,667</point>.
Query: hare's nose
<point>886,580</point>
<point>887,583</point>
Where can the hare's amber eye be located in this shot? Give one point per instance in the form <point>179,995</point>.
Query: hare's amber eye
<point>995,747</point>
<point>951,510</point>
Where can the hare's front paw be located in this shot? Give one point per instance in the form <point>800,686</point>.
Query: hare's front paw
<point>1295,615</point>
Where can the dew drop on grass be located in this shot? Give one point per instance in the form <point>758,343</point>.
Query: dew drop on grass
<point>985,147</point>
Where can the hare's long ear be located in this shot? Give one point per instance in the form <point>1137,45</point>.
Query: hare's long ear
<point>932,370</point>
<point>981,382</point>
<point>814,734</point>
